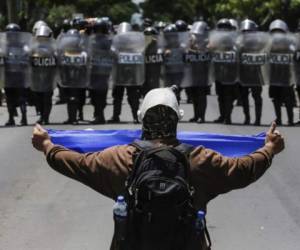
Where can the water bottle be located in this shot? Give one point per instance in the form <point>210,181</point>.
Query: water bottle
<point>120,218</point>
<point>200,221</point>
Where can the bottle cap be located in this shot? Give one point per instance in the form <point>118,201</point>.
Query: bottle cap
<point>120,198</point>
<point>200,214</point>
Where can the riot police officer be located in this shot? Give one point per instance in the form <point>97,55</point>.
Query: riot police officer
<point>297,64</point>
<point>173,66</point>
<point>128,71</point>
<point>73,70</point>
<point>43,71</point>
<point>16,71</point>
<point>225,67</point>
<point>101,62</point>
<point>253,57</point>
<point>280,63</point>
<point>153,60</point>
<point>197,65</point>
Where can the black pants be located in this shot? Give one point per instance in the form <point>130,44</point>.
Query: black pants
<point>256,94</point>
<point>43,101</point>
<point>298,92</point>
<point>74,102</point>
<point>198,97</point>
<point>226,96</point>
<point>16,97</point>
<point>282,95</point>
<point>133,98</point>
<point>98,100</point>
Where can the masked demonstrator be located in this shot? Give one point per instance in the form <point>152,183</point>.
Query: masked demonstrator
<point>160,216</point>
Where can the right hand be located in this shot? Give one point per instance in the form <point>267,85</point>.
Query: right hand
<point>274,139</point>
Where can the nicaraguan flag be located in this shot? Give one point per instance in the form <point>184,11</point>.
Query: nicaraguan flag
<point>95,140</point>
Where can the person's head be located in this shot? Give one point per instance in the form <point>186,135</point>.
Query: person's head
<point>37,25</point>
<point>248,26</point>
<point>159,114</point>
<point>278,26</point>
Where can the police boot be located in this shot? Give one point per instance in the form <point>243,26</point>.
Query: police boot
<point>11,120</point>
<point>196,111</point>
<point>290,114</point>
<point>277,107</point>
<point>72,111</point>
<point>46,113</point>
<point>258,111</point>
<point>116,112</point>
<point>221,118</point>
<point>80,113</point>
<point>24,116</point>
<point>202,109</point>
<point>227,111</point>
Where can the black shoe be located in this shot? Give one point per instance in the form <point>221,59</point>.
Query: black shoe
<point>74,122</point>
<point>114,120</point>
<point>67,121</point>
<point>10,123</point>
<point>291,124</point>
<point>227,122</point>
<point>278,122</point>
<point>23,121</point>
<point>201,120</point>
<point>97,120</point>
<point>247,121</point>
<point>136,121</point>
<point>194,119</point>
<point>257,123</point>
<point>219,120</point>
<point>40,121</point>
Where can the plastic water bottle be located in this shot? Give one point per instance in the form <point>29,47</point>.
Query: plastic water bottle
<point>200,221</point>
<point>120,218</point>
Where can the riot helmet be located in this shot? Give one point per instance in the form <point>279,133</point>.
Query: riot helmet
<point>278,25</point>
<point>37,25</point>
<point>43,31</point>
<point>171,28</point>
<point>12,27</point>
<point>224,24</point>
<point>150,31</point>
<point>124,27</point>
<point>248,25</point>
<point>181,25</point>
<point>79,23</point>
<point>66,25</point>
<point>199,27</point>
<point>160,113</point>
<point>234,24</point>
<point>147,22</point>
<point>160,25</point>
<point>101,26</point>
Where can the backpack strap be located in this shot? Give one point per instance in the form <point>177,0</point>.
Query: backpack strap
<point>185,148</point>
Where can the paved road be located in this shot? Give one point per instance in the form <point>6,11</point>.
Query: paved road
<point>42,210</point>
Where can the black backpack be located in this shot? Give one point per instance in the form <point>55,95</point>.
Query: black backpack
<point>159,198</point>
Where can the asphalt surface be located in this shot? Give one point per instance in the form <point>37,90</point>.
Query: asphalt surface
<point>43,210</point>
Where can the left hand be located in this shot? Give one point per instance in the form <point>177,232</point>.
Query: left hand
<point>40,138</point>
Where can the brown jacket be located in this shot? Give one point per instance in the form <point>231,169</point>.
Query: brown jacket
<point>211,173</point>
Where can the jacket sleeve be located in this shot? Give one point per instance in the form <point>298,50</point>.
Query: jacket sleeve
<point>104,171</point>
<point>222,174</point>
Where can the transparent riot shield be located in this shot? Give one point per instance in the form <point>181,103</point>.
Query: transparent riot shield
<point>282,49</point>
<point>224,56</point>
<point>101,61</point>
<point>73,61</point>
<point>197,60</point>
<point>153,62</point>
<point>253,58</point>
<point>173,54</point>
<point>297,58</point>
<point>2,56</point>
<point>43,64</point>
<point>16,60</point>
<point>129,68</point>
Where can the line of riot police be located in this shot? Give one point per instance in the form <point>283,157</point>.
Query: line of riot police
<point>238,59</point>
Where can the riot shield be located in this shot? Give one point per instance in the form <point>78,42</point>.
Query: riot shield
<point>224,56</point>
<point>101,61</point>
<point>153,62</point>
<point>73,61</point>
<point>2,55</point>
<point>253,57</point>
<point>43,64</point>
<point>129,68</point>
<point>173,55</point>
<point>281,64</point>
<point>297,59</point>
<point>197,61</point>
<point>16,60</point>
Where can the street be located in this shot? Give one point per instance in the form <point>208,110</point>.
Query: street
<point>43,210</point>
